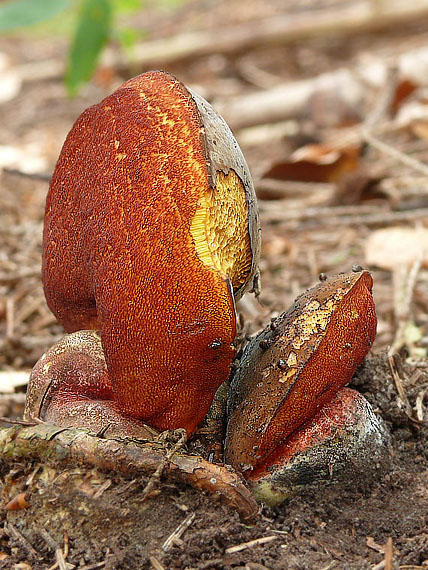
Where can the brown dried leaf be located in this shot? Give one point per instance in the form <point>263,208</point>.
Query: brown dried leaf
<point>316,163</point>
<point>18,502</point>
<point>403,90</point>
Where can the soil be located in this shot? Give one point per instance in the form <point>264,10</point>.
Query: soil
<point>97,519</point>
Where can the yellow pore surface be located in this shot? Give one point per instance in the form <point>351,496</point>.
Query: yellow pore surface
<point>220,229</point>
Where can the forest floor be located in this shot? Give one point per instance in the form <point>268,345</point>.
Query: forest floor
<point>362,138</point>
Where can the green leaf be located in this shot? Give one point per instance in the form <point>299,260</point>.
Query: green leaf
<point>128,38</point>
<point>127,6</point>
<point>92,33</point>
<point>22,13</point>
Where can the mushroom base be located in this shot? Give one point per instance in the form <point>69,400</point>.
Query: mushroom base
<point>344,439</point>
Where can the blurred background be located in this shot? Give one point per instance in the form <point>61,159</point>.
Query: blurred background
<point>328,100</point>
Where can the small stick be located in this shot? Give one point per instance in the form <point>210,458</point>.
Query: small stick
<point>400,389</point>
<point>12,398</point>
<point>60,559</point>
<point>288,188</point>
<point>31,175</point>
<point>155,477</point>
<point>416,165</point>
<point>389,552</point>
<point>403,302</point>
<point>31,306</point>
<point>178,532</point>
<point>155,563</point>
<point>10,317</point>
<point>73,444</point>
<point>94,566</point>
<point>60,556</point>
<point>213,563</point>
<point>334,217</point>
<point>18,422</point>
<point>48,539</point>
<point>250,544</point>
<point>419,405</point>
<point>382,108</point>
<point>12,278</point>
<point>102,488</point>
<point>12,530</point>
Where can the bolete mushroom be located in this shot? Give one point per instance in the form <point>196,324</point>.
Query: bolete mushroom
<point>151,235</point>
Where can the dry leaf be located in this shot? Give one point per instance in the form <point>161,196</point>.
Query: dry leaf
<point>404,89</point>
<point>358,186</point>
<point>18,502</point>
<point>316,163</point>
<point>390,247</point>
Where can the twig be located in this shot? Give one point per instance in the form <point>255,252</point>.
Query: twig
<point>330,565</point>
<point>178,532</point>
<point>48,539</point>
<point>10,317</point>
<point>60,556</point>
<point>31,175</point>
<point>374,545</point>
<point>153,482</point>
<point>393,152</point>
<point>287,188</point>
<point>419,405</point>
<point>60,559</point>
<point>211,564</point>
<point>124,456</point>
<point>14,277</point>
<point>400,388</point>
<point>102,488</point>
<point>18,422</point>
<point>93,566</point>
<point>389,552</point>
<point>13,531</point>
<point>332,219</point>
<point>275,207</point>
<point>12,398</point>
<point>155,563</point>
<point>12,379</point>
<point>349,18</point>
<point>382,108</point>
<point>31,306</point>
<point>250,544</point>
<point>405,286</point>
